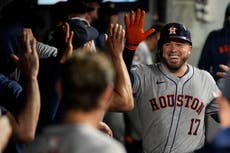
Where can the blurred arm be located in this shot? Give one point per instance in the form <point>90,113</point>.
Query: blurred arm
<point>25,123</point>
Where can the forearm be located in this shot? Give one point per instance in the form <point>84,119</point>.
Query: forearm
<point>122,99</point>
<point>25,123</point>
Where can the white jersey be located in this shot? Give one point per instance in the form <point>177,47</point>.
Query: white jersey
<point>172,109</point>
<point>142,55</point>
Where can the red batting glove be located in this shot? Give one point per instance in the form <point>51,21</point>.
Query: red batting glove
<point>134,29</point>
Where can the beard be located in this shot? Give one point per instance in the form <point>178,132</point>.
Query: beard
<point>174,67</point>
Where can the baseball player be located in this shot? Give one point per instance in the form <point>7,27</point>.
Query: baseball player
<point>171,97</point>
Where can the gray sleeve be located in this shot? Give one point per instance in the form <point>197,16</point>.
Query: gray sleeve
<point>213,91</point>
<point>135,70</point>
<point>45,51</point>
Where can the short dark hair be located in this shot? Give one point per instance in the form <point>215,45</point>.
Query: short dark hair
<point>85,76</point>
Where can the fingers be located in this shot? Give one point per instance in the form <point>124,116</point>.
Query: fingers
<point>142,17</point>
<point>116,32</point>
<point>15,58</point>
<point>71,35</point>
<point>24,41</point>
<point>131,17</point>
<point>28,33</point>
<point>148,32</point>
<point>225,68</point>
<point>28,42</point>
<point>69,42</point>
<point>137,19</point>
<point>221,74</point>
<point>126,20</point>
<point>111,30</point>
<point>33,46</point>
<point>105,38</point>
<point>120,33</point>
<point>105,129</point>
<point>70,38</point>
<point>114,40</point>
<point>67,31</point>
<point>223,111</point>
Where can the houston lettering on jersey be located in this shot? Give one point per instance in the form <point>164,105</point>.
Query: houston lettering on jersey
<point>186,101</point>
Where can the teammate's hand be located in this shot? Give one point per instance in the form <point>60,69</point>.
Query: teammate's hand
<point>105,129</point>
<point>27,58</point>
<point>223,111</point>
<point>134,29</point>
<point>114,40</point>
<point>225,69</point>
<point>68,40</point>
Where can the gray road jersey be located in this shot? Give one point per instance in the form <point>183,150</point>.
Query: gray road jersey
<point>172,109</point>
<point>73,139</point>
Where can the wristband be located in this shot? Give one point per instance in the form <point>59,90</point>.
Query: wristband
<point>130,46</point>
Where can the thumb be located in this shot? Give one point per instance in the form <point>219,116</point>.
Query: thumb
<point>15,58</point>
<point>105,38</point>
<point>149,32</point>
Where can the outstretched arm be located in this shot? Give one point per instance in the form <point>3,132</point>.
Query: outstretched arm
<point>68,40</point>
<point>25,123</point>
<point>122,99</point>
<point>134,34</point>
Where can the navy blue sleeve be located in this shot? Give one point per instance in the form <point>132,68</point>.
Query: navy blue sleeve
<point>206,59</point>
<point>10,94</point>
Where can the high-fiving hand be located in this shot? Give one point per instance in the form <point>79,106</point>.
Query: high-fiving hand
<point>134,29</point>
<point>68,40</point>
<point>27,58</point>
<point>114,40</point>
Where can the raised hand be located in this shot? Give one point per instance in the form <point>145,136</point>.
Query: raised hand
<point>134,29</point>
<point>27,57</point>
<point>225,69</point>
<point>122,99</point>
<point>105,129</point>
<point>68,40</point>
<point>114,40</point>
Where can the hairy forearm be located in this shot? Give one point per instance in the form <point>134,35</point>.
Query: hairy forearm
<point>25,123</point>
<point>122,99</point>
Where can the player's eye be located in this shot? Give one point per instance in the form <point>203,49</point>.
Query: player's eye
<point>167,44</point>
<point>179,44</point>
